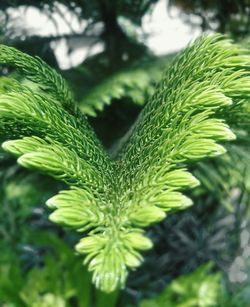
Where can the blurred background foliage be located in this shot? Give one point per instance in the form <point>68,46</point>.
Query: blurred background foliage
<point>201,256</point>
<point>231,16</point>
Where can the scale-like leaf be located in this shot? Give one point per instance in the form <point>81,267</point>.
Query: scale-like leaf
<point>113,200</point>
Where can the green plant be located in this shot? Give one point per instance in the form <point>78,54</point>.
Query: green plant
<point>197,289</point>
<point>137,83</point>
<point>58,281</point>
<point>113,200</point>
<point>201,288</point>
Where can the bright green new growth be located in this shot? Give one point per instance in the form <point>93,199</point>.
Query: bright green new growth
<point>36,70</point>
<point>113,200</point>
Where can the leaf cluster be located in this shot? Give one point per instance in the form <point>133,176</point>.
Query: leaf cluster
<point>111,201</point>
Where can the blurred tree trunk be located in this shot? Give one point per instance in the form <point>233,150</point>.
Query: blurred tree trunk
<point>119,47</point>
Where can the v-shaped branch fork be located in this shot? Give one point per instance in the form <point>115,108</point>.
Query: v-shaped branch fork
<point>112,200</point>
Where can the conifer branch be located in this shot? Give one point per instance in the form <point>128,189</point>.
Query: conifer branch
<point>113,200</point>
<point>36,70</point>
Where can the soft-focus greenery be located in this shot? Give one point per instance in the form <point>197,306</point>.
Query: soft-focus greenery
<point>59,280</point>
<point>198,289</point>
<point>201,288</point>
<point>230,16</point>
